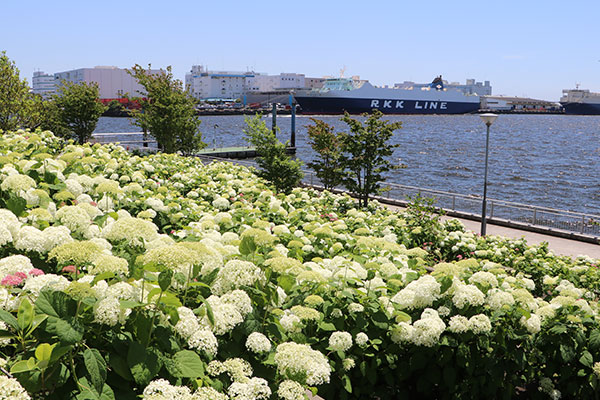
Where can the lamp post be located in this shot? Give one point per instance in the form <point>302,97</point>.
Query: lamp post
<point>488,120</point>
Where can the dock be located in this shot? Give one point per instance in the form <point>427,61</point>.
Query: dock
<point>237,153</point>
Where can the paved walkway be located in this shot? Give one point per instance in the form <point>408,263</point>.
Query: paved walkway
<point>562,246</point>
<point>567,247</point>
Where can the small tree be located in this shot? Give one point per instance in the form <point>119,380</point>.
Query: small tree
<point>15,98</point>
<point>78,109</point>
<point>168,112</point>
<point>365,152</point>
<point>326,143</point>
<point>275,165</point>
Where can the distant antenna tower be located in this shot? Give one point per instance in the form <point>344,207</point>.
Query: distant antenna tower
<point>342,71</point>
<point>577,85</point>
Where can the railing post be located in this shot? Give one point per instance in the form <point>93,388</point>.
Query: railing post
<point>453,203</point>
<point>491,209</point>
<point>582,223</point>
<point>534,215</point>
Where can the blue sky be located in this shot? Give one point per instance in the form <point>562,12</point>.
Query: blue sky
<point>525,48</point>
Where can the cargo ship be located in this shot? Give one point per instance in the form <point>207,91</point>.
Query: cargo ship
<point>339,95</point>
<point>580,102</point>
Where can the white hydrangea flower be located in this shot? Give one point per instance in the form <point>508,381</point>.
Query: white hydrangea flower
<point>458,324</point>
<point>204,340</point>
<point>293,360</point>
<point>236,273</point>
<point>161,389</point>
<point>30,238</point>
<point>35,284</point>
<point>226,316</point>
<point>11,389</point>
<point>466,295</point>
<point>253,388</point>
<point>240,300</point>
<point>187,323</point>
<point>290,322</point>
<point>533,324</point>
<point>484,278</point>
<point>340,341</point>
<point>108,312</point>
<point>361,339</point>
<point>258,343</point>
<point>428,329</point>
<point>418,294</point>
<point>497,298</point>
<point>291,390</point>
<point>480,323</point>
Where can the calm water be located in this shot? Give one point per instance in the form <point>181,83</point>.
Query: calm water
<point>545,160</point>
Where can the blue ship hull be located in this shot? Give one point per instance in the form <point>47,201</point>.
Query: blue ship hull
<point>337,105</point>
<point>581,108</point>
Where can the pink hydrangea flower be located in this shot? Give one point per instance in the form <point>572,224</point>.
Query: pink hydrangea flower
<point>11,280</point>
<point>69,268</point>
<point>36,272</point>
<point>21,275</point>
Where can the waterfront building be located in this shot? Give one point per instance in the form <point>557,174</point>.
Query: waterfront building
<point>204,84</point>
<point>43,84</point>
<point>518,104</point>
<point>470,86</point>
<point>113,82</point>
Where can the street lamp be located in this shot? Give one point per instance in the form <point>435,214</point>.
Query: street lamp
<point>488,120</point>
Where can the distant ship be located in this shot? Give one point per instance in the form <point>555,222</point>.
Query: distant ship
<point>580,101</point>
<point>355,96</point>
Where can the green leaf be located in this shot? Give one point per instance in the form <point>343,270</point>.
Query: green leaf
<point>558,329</point>
<point>43,353</point>
<point>23,366</point>
<point>9,319</point>
<point>567,352</point>
<point>209,313</point>
<point>327,326</point>
<point>25,315</point>
<point>523,312</point>
<point>286,282</point>
<point>96,368</point>
<point>129,304</point>
<point>587,359</point>
<point>37,321</point>
<point>164,279</point>
<point>401,316</point>
<point>119,365</point>
<point>143,363</point>
<point>347,383</point>
<point>247,245</point>
<point>68,331</point>
<point>153,293</point>
<point>446,283</point>
<point>17,205</point>
<point>594,341</point>
<point>56,304</point>
<point>88,392</point>
<point>189,364</point>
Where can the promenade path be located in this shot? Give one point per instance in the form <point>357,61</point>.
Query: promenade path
<point>566,247</point>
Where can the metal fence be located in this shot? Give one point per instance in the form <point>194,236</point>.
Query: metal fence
<point>581,223</point>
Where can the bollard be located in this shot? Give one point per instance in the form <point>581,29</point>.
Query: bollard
<point>274,124</point>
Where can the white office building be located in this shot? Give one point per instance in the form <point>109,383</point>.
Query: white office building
<point>43,84</point>
<point>204,84</point>
<point>113,82</point>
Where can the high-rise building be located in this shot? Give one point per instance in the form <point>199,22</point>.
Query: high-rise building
<point>43,84</point>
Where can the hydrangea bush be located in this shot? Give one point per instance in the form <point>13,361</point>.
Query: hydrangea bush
<point>160,277</point>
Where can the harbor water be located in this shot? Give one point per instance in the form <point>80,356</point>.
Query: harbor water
<point>544,160</point>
